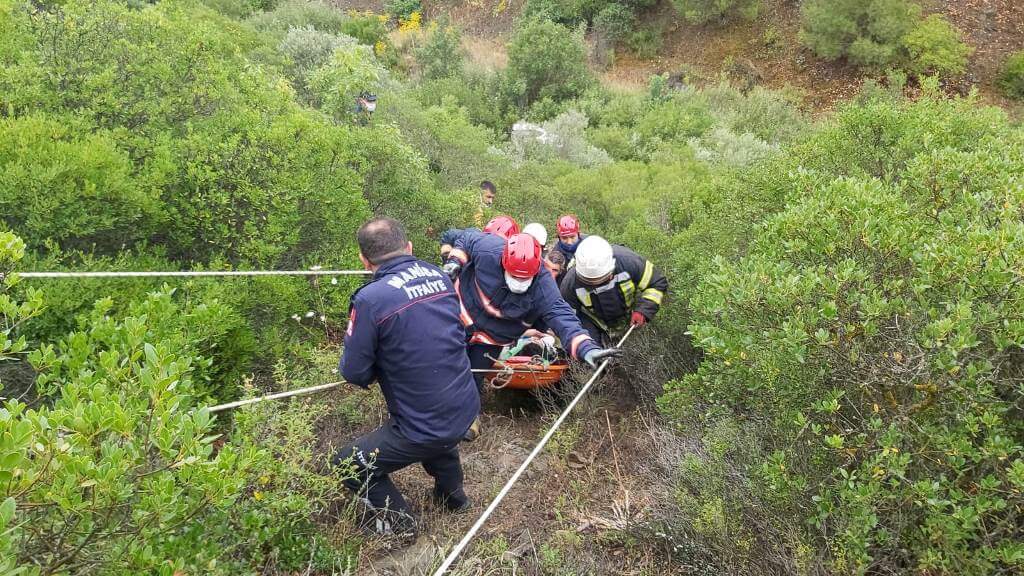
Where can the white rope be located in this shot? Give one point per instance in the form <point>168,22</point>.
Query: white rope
<point>454,554</point>
<point>287,394</point>
<point>320,388</point>
<point>157,274</point>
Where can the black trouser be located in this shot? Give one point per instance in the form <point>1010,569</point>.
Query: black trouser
<point>596,332</point>
<point>386,450</point>
<point>480,357</point>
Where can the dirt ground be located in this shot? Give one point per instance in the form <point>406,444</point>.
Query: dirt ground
<point>579,505</point>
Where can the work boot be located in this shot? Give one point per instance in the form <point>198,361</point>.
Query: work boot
<point>456,503</point>
<point>474,431</point>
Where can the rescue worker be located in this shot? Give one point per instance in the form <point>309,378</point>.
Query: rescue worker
<point>568,240</point>
<point>487,193</point>
<point>611,283</point>
<point>503,226</point>
<point>502,295</point>
<point>404,332</point>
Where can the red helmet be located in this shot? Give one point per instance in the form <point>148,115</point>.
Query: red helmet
<point>567,225</point>
<point>522,256</point>
<point>503,226</point>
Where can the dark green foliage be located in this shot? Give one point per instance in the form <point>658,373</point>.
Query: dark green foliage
<point>867,32</point>
<point>367,28</point>
<point>935,47</point>
<point>402,9</point>
<point>646,42</point>
<point>70,188</point>
<point>1011,77</point>
<point>298,14</point>
<point>569,12</point>
<point>704,11</point>
<point>442,55</point>
<point>615,22</point>
<point>868,330</point>
<point>546,59</point>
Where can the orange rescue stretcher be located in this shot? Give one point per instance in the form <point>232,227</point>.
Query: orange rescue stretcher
<point>526,373</point>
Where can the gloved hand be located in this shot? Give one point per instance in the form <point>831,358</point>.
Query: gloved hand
<point>638,319</point>
<point>598,354</point>
<point>452,269</point>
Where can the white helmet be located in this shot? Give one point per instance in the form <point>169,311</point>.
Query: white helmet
<point>538,231</point>
<point>594,258</point>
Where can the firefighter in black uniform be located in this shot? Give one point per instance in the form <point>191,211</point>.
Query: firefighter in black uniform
<point>609,284</point>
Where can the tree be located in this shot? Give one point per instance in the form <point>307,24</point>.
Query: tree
<point>547,60</point>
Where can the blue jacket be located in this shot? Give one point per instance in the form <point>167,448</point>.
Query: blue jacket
<point>404,332</point>
<point>493,314</point>
<point>452,235</point>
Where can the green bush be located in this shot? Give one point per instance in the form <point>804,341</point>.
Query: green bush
<point>1011,77</point>
<point>646,43</point>
<point>867,33</point>
<point>569,12</point>
<point>442,55</point>
<point>350,71</point>
<point>308,49</point>
<point>402,9</point>
<point>875,352</point>
<point>366,27</point>
<point>615,22</point>
<point>704,11</point>
<point>299,14</point>
<point>74,189</point>
<point>547,60</point>
<point>935,47</point>
<point>675,120</point>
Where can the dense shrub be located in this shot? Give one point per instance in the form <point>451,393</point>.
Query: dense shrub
<point>546,59</point>
<point>646,42</point>
<point>935,47</point>
<point>308,49</point>
<point>868,34</point>
<point>1011,77</point>
<point>704,11</point>
<point>875,357</point>
<point>562,137</point>
<point>615,22</point>
<point>299,14</point>
<point>569,12</point>
<point>441,55</point>
<point>349,71</point>
<point>402,9</point>
<point>70,188</point>
<point>677,119</point>
<point>367,27</point>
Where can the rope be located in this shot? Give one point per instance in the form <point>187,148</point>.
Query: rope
<point>454,554</point>
<point>156,274</point>
<point>320,388</point>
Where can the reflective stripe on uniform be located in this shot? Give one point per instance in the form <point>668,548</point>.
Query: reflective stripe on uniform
<point>653,294</point>
<point>645,279</point>
<point>628,292</point>
<point>487,303</point>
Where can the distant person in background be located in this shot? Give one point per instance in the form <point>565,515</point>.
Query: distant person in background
<point>487,192</point>
<point>366,103</point>
<point>404,332</point>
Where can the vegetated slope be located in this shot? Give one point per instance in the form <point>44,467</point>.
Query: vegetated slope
<point>765,51</point>
<point>840,353</point>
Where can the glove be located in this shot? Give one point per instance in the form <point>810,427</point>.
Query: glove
<point>638,319</point>
<point>598,354</point>
<point>452,269</point>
